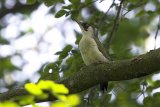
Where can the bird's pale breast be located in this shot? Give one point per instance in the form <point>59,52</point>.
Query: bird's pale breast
<point>90,52</point>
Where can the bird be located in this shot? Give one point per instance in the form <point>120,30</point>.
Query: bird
<point>91,49</point>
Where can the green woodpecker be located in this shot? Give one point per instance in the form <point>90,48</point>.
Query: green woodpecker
<point>91,49</point>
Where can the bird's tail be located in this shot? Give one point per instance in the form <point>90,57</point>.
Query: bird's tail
<point>104,86</point>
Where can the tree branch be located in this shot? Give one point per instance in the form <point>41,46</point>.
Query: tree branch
<point>156,34</point>
<point>92,75</point>
<point>115,26</point>
<point>114,71</point>
<point>103,17</point>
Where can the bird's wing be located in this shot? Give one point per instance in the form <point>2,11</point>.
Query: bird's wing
<point>101,48</point>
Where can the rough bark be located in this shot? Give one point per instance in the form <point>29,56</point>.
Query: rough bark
<point>112,71</point>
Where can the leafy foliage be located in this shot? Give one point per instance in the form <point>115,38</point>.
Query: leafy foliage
<point>6,65</point>
<point>134,27</point>
<point>59,91</point>
<point>31,1</point>
<point>8,104</point>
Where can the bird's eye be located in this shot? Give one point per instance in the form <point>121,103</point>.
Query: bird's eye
<point>85,26</point>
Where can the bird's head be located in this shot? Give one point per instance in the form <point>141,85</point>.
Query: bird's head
<point>86,28</point>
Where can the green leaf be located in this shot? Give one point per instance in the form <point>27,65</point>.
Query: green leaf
<point>45,85</point>
<point>70,101</point>
<point>74,13</point>
<point>56,88</point>
<point>78,37</point>
<point>41,1</point>
<point>147,100</point>
<point>59,104</point>
<point>59,88</point>
<point>6,65</point>
<point>74,1</point>
<point>60,13</point>
<point>3,41</point>
<point>67,7</point>
<point>73,64</point>
<point>132,1</point>
<point>141,13</point>
<point>58,53</point>
<point>65,52</point>
<point>61,97</point>
<point>31,1</point>
<point>156,84</point>
<point>51,2</point>
<point>88,1</point>
<point>8,104</point>
<point>73,100</point>
<point>156,95</point>
<point>33,89</point>
<point>24,100</point>
<point>151,12</point>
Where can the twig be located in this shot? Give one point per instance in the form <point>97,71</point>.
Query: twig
<point>115,25</point>
<point>155,37</point>
<point>138,4</point>
<point>102,19</point>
